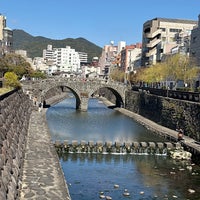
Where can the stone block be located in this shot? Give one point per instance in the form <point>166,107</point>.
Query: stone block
<point>2,195</point>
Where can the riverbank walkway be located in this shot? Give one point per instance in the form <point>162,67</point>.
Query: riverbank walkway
<point>42,177</point>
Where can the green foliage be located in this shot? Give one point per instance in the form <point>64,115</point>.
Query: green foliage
<point>15,63</point>
<point>14,67</point>
<point>35,45</point>
<point>38,74</point>
<point>174,68</point>
<point>117,75</point>
<point>11,80</point>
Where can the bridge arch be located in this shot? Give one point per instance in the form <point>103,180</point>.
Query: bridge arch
<point>119,98</point>
<point>73,90</point>
<point>82,90</point>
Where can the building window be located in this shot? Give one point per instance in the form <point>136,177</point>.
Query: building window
<point>174,30</point>
<point>163,29</point>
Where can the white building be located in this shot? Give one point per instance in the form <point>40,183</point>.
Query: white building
<point>121,45</point>
<point>83,57</point>
<point>61,59</point>
<point>40,64</point>
<point>67,59</point>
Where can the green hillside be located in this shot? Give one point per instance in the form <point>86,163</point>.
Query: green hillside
<point>35,45</point>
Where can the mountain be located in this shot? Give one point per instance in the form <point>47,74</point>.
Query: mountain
<point>35,45</point>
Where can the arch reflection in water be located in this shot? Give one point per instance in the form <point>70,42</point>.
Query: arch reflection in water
<point>98,124</point>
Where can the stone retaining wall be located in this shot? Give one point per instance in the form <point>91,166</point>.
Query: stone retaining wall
<point>15,110</point>
<point>168,112</point>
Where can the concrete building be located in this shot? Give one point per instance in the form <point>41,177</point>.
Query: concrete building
<point>83,57</point>
<point>121,45</point>
<point>131,57</point>
<point>108,57</point>
<point>61,59</point>
<point>49,55</point>
<point>195,43</point>
<point>39,63</point>
<point>67,59</point>
<point>21,52</point>
<point>6,37</point>
<point>161,35</point>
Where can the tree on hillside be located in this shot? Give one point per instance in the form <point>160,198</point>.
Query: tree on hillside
<point>11,80</point>
<point>3,67</point>
<point>17,64</point>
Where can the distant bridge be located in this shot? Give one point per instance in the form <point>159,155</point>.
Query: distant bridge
<point>82,89</point>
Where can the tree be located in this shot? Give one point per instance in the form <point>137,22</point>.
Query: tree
<point>117,74</point>
<point>11,80</point>
<point>15,63</point>
<point>38,74</point>
<point>173,68</point>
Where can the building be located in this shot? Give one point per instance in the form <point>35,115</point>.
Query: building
<point>131,57</point>
<point>61,59</point>
<point>161,35</point>
<point>49,55</point>
<point>6,37</point>
<point>195,43</point>
<point>21,52</point>
<point>83,57</point>
<point>108,57</point>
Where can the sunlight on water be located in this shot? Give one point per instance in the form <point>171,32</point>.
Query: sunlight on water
<point>98,124</point>
<point>137,177</point>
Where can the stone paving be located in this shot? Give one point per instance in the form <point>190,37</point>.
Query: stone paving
<point>42,177</point>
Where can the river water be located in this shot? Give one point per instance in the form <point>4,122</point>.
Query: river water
<point>93,176</point>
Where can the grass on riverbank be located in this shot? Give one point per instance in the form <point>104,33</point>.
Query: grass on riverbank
<point>4,90</point>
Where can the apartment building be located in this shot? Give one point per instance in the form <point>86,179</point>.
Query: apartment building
<point>195,43</point>
<point>161,35</point>
<point>61,59</point>
<point>131,57</point>
<point>83,57</point>
<point>110,56</point>
<point>6,37</point>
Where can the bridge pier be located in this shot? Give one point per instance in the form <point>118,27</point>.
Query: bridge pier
<point>83,106</point>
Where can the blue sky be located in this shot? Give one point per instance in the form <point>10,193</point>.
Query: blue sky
<point>98,21</point>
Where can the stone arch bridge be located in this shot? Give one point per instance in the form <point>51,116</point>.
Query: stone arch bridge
<point>82,90</point>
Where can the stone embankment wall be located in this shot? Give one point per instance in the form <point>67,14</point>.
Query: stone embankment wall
<point>168,112</point>
<point>15,110</point>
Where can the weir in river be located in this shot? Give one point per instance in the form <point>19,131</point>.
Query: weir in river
<point>152,148</point>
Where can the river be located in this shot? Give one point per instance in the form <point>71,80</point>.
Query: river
<point>94,176</point>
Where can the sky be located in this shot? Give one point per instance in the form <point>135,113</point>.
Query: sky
<point>98,21</point>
